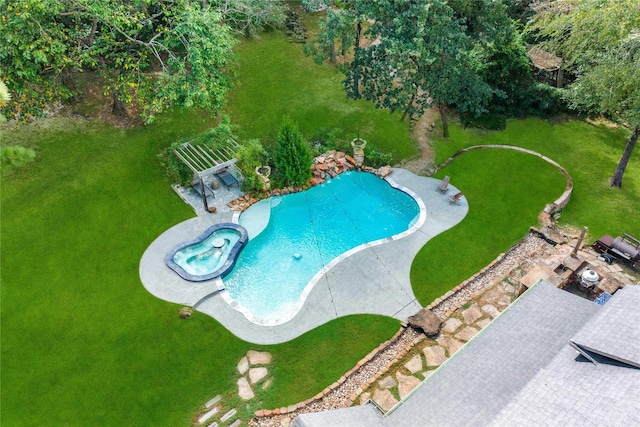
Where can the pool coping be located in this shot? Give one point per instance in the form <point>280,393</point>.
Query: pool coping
<point>373,278</point>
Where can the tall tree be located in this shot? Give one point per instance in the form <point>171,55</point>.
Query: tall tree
<point>293,157</point>
<point>599,41</point>
<point>336,25</point>
<point>156,54</point>
<point>420,56</point>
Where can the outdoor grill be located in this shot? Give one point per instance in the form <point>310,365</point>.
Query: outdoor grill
<point>626,248</point>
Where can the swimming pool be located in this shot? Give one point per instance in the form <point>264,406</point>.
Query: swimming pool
<point>305,232</point>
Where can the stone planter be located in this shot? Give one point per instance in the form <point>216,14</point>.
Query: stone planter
<point>358,149</point>
<point>263,173</point>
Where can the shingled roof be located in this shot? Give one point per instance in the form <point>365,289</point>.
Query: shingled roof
<point>523,370</point>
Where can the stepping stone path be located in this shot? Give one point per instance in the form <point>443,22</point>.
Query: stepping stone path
<point>434,355</point>
<point>457,330</point>
<point>406,383</point>
<point>415,364</point>
<point>385,399</point>
<point>253,370</point>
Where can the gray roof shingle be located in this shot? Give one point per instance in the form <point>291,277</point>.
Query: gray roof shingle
<point>522,371</point>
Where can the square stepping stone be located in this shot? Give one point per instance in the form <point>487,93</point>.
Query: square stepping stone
<point>467,333</point>
<point>384,399</point>
<point>454,345</point>
<point>244,389</point>
<point>243,365</point>
<point>259,357</point>
<point>406,383</point>
<point>256,374</point>
<point>482,323</point>
<point>415,364</point>
<point>471,314</point>
<point>434,355</point>
<point>490,310</point>
<point>451,325</point>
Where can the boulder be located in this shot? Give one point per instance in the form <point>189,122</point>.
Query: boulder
<point>426,320</point>
<point>186,312</point>
<point>316,181</point>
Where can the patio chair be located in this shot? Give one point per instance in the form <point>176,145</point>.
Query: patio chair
<point>228,179</point>
<point>444,185</point>
<point>455,198</point>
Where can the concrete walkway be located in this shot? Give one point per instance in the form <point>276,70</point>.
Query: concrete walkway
<point>374,279</point>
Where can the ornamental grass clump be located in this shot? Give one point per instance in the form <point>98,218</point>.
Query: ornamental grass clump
<point>293,157</point>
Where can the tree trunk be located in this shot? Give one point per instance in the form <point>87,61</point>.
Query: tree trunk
<point>118,108</point>
<point>332,52</point>
<point>443,116</point>
<point>356,66</point>
<point>616,179</point>
<point>68,81</point>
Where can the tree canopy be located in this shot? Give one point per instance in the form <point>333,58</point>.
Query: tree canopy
<point>151,54</point>
<point>599,41</point>
<point>461,54</point>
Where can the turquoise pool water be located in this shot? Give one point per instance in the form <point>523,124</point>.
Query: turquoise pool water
<point>305,232</point>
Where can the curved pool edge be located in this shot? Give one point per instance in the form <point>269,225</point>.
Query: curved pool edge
<point>422,216</point>
<point>223,270</point>
<point>375,280</point>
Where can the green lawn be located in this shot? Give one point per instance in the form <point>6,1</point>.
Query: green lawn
<point>276,79</point>
<point>83,343</point>
<point>507,190</point>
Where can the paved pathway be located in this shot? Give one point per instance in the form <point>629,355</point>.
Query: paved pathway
<point>374,280</point>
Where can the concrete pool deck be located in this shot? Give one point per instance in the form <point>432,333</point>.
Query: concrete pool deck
<point>373,280</point>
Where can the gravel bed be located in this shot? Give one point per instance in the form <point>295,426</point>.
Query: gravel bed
<point>340,396</point>
<point>529,247</point>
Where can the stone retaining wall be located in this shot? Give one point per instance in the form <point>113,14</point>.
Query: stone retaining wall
<point>551,208</point>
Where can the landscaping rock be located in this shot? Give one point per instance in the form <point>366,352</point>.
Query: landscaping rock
<point>244,389</point>
<point>384,171</point>
<point>387,382</point>
<point>426,320</point>
<point>490,310</point>
<point>384,399</point>
<point>243,365</point>
<point>406,383</point>
<point>434,355</point>
<point>185,312</point>
<point>259,357</point>
<point>256,374</point>
<point>451,325</point>
<point>467,333</point>
<point>415,364</point>
<point>471,314</point>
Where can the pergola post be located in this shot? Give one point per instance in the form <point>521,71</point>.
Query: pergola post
<point>203,160</point>
<point>204,195</point>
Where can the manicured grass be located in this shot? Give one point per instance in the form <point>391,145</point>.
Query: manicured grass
<point>507,190</point>
<point>276,79</point>
<point>589,153</point>
<point>83,343</point>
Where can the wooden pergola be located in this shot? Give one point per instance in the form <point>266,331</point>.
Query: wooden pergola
<point>204,160</point>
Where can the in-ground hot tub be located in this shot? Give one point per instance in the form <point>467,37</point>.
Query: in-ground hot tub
<point>211,255</point>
